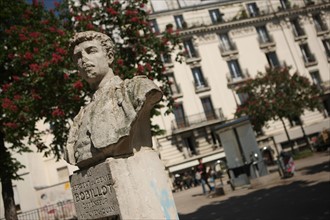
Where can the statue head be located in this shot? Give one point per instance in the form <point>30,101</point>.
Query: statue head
<point>105,41</point>
<point>93,52</point>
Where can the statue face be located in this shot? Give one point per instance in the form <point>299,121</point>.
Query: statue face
<point>92,61</point>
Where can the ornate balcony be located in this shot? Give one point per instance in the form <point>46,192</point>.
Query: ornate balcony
<point>232,81</point>
<point>201,86</point>
<point>310,60</point>
<point>266,41</point>
<point>229,49</point>
<point>196,120</point>
<point>299,34</point>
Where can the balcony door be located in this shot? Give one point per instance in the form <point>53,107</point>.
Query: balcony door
<point>272,59</point>
<point>263,34</point>
<point>215,16</point>
<point>179,115</point>
<point>235,69</point>
<point>198,77</point>
<point>225,42</point>
<point>189,47</point>
<point>179,21</point>
<point>208,108</point>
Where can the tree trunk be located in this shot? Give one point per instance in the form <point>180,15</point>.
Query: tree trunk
<point>305,137</point>
<point>7,186</point>
<point>287,135</point>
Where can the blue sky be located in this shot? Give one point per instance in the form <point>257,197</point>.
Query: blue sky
<point>48,3</point>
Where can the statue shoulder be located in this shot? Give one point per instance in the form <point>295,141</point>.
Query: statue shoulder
<point>141,89</point>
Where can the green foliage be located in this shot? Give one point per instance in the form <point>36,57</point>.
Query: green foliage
<point>277,94</point>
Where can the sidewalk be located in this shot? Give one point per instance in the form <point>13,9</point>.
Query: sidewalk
<point>304,196</point>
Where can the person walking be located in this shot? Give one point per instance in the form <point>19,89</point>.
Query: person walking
<point>204,176</point>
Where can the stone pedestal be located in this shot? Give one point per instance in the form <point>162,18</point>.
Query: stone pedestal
<point>135,187</point>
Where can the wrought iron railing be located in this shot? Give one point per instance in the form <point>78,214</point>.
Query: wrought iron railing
<point>60,210</point>
<point>188,121</point>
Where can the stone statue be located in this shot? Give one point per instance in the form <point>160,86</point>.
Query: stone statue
<point>116,122</point>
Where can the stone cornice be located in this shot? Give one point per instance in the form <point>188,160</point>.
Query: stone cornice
<point>226,26</point>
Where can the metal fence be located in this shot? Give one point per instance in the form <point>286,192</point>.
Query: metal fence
<point>60,210</point>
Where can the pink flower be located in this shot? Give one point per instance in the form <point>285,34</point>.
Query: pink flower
<point>28,56</point>
<point>5,87</point>
<point>148,66</point>
<point>15,78</point>
<point>9,104</point>
<point>111,11</point>
<point>22,37</point>
<point>135,19</point>
<point>10,125</point>
<point>60,50</point>
<point>44,21</point>
<point>35,50</point>
<point>34,67</point>
<point>65,76</point>
<point>90,26</point>
<point>60,32</point>
<point>140,68</point>
<point>120,62</point>
<point>78,85</point>
<point>56,58</point>
<point>52,29</point>
<point>57,112</point>
<point>131,12</point>
<point>56,4</point>
<point>11,56</point>
<point>34,34</point>
<point>17,97</point>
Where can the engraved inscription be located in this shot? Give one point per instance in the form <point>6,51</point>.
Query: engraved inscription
<point>93,193</point>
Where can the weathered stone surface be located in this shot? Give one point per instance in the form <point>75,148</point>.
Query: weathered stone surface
<point>117,120</point>
<point>142,187</point>
<point>93,193</point>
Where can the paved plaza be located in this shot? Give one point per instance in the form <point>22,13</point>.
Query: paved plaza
<point>305,196</point>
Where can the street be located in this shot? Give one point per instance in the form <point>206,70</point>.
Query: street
<point>304,196</point>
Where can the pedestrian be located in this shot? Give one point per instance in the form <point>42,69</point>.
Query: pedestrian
<point>204,176</point>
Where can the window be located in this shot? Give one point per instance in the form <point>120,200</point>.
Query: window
<point>235,69</point>
<point>179,115</point>
<point>173,86</point>
<point>198,77</point>
<point>316,78</point>
<point>179,21</point>
<point>285,4</point>
<point>272,59</point>
<point>225,42</point>
<point>253,9</point>
<point>16,199</point>
<point>319,24</point>
<point>154,26</point>
<point>263,34</point>
<point>326,44</point>
<point>63,174</point>
<point>166,58</point>
<point>243,97</point>
<point>296,28</point>
<point>189,47</point>
<point>307,55</point>
<point>215,15</point>
<point>208,108</point>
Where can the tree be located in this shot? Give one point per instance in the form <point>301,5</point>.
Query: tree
<point>39,82</point>
<point>276,94</point>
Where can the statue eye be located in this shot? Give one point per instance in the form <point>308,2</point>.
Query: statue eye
<point>91,50</point>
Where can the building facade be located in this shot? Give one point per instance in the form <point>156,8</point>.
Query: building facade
<point>227,42</point>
